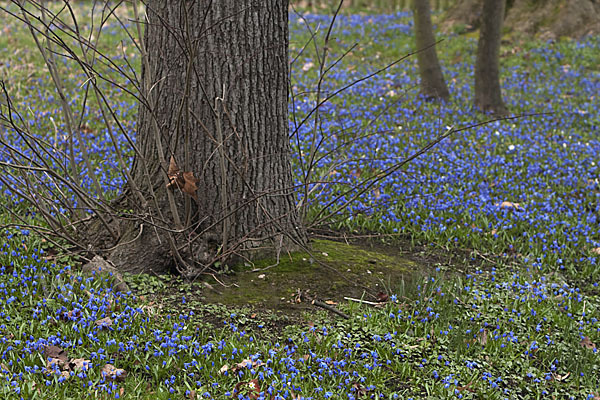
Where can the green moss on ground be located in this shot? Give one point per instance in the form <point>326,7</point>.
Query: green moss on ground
<point>331,271</point>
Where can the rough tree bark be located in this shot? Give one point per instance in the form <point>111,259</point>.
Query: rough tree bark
<point>216,82</point>
<point>433,85</point>
<point>488,94</point>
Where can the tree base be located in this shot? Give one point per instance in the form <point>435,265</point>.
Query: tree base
<point>143,248</point>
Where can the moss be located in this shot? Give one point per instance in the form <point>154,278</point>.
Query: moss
<point>332,270</point>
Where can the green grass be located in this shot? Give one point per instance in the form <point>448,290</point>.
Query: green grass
<point>440,336</point>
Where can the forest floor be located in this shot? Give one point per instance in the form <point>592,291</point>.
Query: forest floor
<point>301,283</point>
<point>480,278</point>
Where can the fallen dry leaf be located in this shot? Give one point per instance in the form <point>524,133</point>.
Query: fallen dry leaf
<point>359,390</point>
<point>192,395</point>
<point>245,364</point>
<point>50,363</point>
<point>224,369</point>
<point>596,251</point>
<point>104,323</point>
<point>560,378</point>
<point>382,297</point>
<point>509,205</point>
<point>482,338</point>
<point>80,363</point>
<point>587,343</point>
<point>85,129</point>
<point>55,352</point>
<point>330,302</point>
<point>110,371</point>
<point>71,315</point>
<point>55,355</point>
<point>250,389</point>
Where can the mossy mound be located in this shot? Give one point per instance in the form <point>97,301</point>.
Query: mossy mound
<point>331,271</point>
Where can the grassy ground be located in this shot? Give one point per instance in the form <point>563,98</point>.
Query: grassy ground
<point>502,301</point>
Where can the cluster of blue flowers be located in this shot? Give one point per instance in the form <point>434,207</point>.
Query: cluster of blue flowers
<point>545,164</point>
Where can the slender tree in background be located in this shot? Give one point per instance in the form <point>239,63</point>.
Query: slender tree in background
<point>214,156</point>
<point>488,94</point>
<point>433,85</point>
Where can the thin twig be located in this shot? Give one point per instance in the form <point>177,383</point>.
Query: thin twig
<point>329,308</point>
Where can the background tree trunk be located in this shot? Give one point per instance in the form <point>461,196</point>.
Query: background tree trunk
<point>433,85</point>
<point>488,94</point>
<point>216,80</point>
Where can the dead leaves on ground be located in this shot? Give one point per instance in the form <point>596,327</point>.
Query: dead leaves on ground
<point>55,356</point>
<point>251,389</point>
<point>114,373</point>
<point>80,363</point>
<point>247,363</point>
<point>382,297</point>
<point>58,362</point>
<point>587,343</point>
<point>72,315</point>
<point>359,390</point>
<point>104,323</point>
<point>482,338</point>
<point>4,368</point>
<point>509,205</point>
<point>182,180</point>
<point>561,378</point>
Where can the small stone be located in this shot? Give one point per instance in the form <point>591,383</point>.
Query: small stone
<point>98,265</point>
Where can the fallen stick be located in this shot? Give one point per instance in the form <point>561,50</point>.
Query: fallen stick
<point>361,301</point>
<point>329,308</point>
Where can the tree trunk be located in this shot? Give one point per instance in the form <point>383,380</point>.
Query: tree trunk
<point>488,94</point>
<point>433,85</point>
<point>216,87</point>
